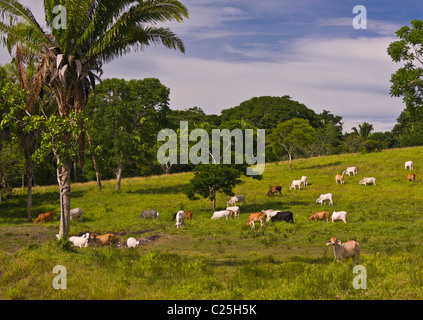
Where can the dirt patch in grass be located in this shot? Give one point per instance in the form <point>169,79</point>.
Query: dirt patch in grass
<point>13,239</point>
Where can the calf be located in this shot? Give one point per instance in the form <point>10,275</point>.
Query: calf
<point>350,170</point>
<point>409,165</point>
<point>44,217</point>
<point>76,213</point>
<point>367,181</point>
<point>304,179</point>
<point>221,214</point>
<point>149,214</point>
<point>235,211</point>
<point>80,241</point>
<point>104,239</point>
<point>340,215</point>
<point>349,249</point>
<point>339,178</point>
<point>256,217</point>
<point>233,200</point>
<point>296,183</point>
<point>269,214</point>
<point>132,242</point>
<point>180,219</point>
<point>319,216</point>
<point>283,216</point>
<point>325,197</point>
<point>411,177</point>
<point>188,215</point>
<point>275,189</point>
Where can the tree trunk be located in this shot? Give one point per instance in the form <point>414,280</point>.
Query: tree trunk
<point>290,161</point>
<point>64,181</point>
<point>97,171</point>
<point>30,174</point>
<point>75,170</point>
<point>118,178</point>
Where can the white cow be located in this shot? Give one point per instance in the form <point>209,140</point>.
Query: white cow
<point>296,183</point>
<point>345,250</point>
<point>235,210</point>
<point>409,165</point>
<point>80,241</point>
<point>233,200</point>
<point>325,197</point>
<point>340,215</point>
<point>180,218</point>
<point>76,213</point>
<point>367,181</point>
<point>304,179</point>
<point>270,213</point>
<point>221,214</point>
<point>350,170</point>
<point>132,242</point>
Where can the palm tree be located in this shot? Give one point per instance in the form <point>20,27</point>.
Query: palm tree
<point>363,130</point>
<point>70,59</point>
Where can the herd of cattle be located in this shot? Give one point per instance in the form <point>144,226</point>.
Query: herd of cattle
<point>341,250</point>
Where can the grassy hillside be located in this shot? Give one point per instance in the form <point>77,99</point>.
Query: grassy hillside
<point>216,259</point>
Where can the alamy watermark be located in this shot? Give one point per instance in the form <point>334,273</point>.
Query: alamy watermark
<point>60,281</point>
<point>201,153</point>
<point>360,20</point>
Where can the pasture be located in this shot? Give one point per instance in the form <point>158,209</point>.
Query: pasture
<point>218,259</point>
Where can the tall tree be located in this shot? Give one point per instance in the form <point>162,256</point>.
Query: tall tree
<point>363,130</point>
<point>407,81</point>
<point>72,49</point>
<point>291,135</point>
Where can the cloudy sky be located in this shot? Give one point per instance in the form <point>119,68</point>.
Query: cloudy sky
<point>309,50</point>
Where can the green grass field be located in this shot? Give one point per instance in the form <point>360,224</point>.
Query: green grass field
<point>216,259</point>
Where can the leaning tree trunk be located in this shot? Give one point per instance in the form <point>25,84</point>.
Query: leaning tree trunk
<point>64,181</point>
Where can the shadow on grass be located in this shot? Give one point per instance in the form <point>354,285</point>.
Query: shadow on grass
<point>319,166</point>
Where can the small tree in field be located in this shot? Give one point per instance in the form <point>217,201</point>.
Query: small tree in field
<point>211,178</point>
<point>291,135</point>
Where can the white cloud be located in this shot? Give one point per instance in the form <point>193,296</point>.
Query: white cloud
<point>347,77</point>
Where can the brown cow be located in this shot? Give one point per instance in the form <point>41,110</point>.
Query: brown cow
<point>411,177</point>
<point>340,178</point>
<point>44,217</point>
<point>255,217</point>
<point>104,239</point>
<point>188,215</point>
<point>349,249</point>
<point>275,189</point>
<point>319,216</point>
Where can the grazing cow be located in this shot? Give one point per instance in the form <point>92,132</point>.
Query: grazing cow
<point>340,215</point>
<point>275,189</point>
<point>296,183</point>
<point>188,215</point>
<point>325,197</point>
<point>270,213</point>
<point>149,214</point>
<point>411,177</point>
<point>339,178</point>
<point>256,217</point>
<point>319,216</point>
<point>350,170</point>
<point>409,165</point>
<point>104,239</point>
<point>304,179</point>
<point>233,200</point>
<point>44,217</point>
<point>132,242</point>
<point>367,181</point>
<point>76,213</point>
<point>180,219</point>
<point>283,216</point>
<point>80,241</point>
<point>349,249</point>
<point>235,211</point>
<point>222,214</point>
